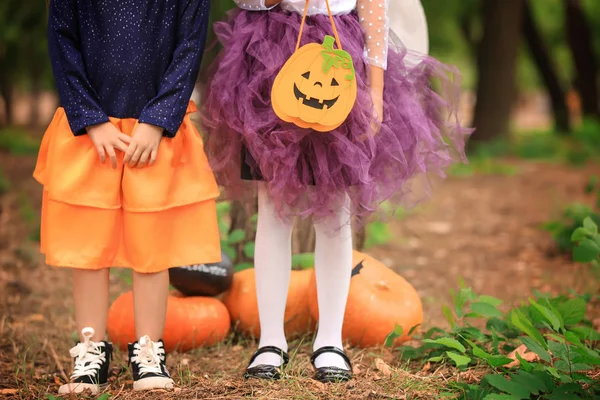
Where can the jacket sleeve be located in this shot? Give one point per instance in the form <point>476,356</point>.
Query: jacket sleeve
<point>253,5</point>
<point>373,16</point>
<point>168,107</point>
<point>77,95</point>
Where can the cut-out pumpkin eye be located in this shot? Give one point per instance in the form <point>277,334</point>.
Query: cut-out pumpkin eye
<point>306,75</point>
<point>334,82</point>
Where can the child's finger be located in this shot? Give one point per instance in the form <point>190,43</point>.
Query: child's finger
<point>100,150</point>
<point>153,155</point>
<point>129,152</point>
<point>120,146</point>
<point>111,154</point>
<point>135,157</point>
<point>144,157</point>
<point>124,138</point>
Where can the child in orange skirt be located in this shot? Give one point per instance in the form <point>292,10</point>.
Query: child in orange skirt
<point>126,181</point>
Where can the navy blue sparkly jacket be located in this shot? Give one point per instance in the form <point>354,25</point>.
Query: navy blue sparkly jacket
<point>126,59</point>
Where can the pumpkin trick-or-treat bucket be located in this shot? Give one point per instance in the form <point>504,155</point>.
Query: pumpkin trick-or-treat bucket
<point>378,299</point>
<point>191,322</point>
<point>316,87</point>
<point>243,307</point>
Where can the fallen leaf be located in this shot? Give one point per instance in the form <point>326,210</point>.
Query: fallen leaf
<point>523,353</point>
<point>441,228</point>
<point>35,318</point>
<point>237,348</point>
<point>426,367</point>
<point>356,369</point>
<point>8,391</point>
<point>185,361</point>
<point>381,365</point>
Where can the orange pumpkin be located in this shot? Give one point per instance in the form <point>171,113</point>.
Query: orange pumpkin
<point>191,322</point>
<point>243,308</point>
<point>378,300</point>
<point>316,88</point>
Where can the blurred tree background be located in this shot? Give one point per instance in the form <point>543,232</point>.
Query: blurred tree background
<point>530,71</point>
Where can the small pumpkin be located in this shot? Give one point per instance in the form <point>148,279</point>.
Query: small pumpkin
<point>316,87</point>
<point>191,322</point>
<point>243,308</point>
<point>379,299</point>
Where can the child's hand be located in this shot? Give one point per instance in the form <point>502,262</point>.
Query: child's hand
<point>106,138</point>
<point>144,145</point>
<point>377,98</point>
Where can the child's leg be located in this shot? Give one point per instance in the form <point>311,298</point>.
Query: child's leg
<point>273,263</point>
<point>150,293</point>
<point>333,267</point>
<point>90,292</point>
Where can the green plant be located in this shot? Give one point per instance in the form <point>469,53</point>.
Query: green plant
<point>573,217</point>
<point>18,141</point>
<point>543,349</point>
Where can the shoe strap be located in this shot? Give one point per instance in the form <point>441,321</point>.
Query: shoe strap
<point>271,349</point>
<point>331,349</point>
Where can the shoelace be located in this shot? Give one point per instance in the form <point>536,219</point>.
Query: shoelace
<point>88,355</point>
<point>149,355</point>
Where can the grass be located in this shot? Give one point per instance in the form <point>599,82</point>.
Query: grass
<point>18,141</point>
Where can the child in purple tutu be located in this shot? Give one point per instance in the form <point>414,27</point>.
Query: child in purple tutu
<point>399,128</point>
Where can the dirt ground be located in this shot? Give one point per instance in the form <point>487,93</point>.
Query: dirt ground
<point>485,229</point>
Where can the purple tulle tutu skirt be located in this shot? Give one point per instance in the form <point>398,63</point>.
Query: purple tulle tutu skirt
<point>309,173</point>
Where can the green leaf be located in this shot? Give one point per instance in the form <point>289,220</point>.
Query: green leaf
<point>447,342</point>
<point>393,335</point>
<point>492,360</point>
<point>228,250</point>
<point>489,300</point>
<point>520,321</point>
<point>449,316</point>
<point>104,396</point>
<point>413,329</point>
<point>249,249</point>
<point>572,311</point>
<point>496,396</point>
<point>525,365</point>
<point>435,359</point>
<point>236,236</point>
<point>585,332</point>
<point>533,383</point>
<point>579,234</point>
<point>532,345</point>
<point>587,250</point>
<point>242,266</point>
<point>303,260</point>
<point>485,309</point>
<point>590,225</point>
<point>548,315</point>
<point>458,359</point>
<point>503,384</point>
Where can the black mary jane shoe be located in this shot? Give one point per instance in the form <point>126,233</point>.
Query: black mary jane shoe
<point>266,371</point>
<point>332,374</point>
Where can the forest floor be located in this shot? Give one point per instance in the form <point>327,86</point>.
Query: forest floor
<point>484,228</point>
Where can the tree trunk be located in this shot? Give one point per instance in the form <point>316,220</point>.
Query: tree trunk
<point>304,236</point>
<point>6,91</point>
<point>545,66</point>
<point>35,96</point>
<point>580,42</point>
<point>496,59</point>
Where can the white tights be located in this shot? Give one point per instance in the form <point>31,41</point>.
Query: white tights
<point>333,266</point>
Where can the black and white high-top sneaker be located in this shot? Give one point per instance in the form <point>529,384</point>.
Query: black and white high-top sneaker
<point>148,363</point>
<point>92,361</point>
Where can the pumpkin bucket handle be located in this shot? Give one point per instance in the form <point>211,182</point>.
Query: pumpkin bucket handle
<point>335,32</point>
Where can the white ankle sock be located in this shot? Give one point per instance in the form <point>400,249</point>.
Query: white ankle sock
<point>273,263</point>
<point>333,264</point>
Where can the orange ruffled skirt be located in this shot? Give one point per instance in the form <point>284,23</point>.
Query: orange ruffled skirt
<point>148,219</point>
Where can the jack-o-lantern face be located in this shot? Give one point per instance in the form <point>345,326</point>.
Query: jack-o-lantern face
<point>316,88</point>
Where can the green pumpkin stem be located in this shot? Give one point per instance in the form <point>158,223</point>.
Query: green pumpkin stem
<point>336,58</point>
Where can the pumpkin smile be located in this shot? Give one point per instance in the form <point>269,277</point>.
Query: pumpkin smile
<point>313,103</point>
